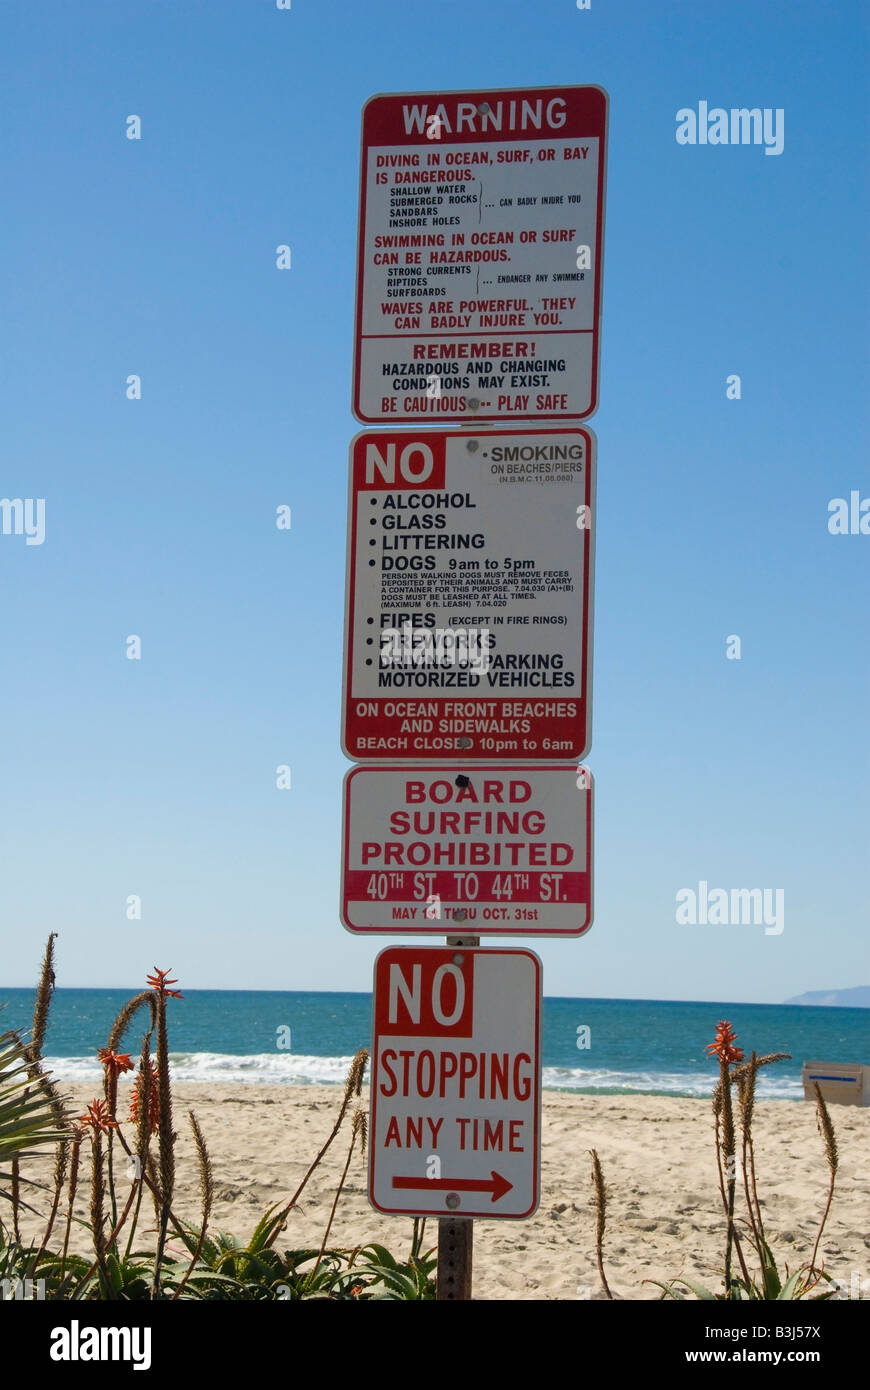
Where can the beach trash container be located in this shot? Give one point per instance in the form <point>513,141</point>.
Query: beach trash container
<point>844,1083</point>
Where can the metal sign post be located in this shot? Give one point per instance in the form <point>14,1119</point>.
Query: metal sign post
<point>455,1233</point>
<point>455,1251</point>
<point>468,638</point>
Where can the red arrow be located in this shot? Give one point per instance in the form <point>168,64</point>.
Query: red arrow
<point>495,1184</point>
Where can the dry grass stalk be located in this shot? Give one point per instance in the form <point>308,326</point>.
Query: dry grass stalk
<point>206,1174</point>
<point>143,1126</point>
<point>206,1187</point>
<point>352,1090</point>
<point>359,1131</point>
<point>74,1160</point>
<point>745,1078</point>
<point>165,1132</point>
<point>717,1113</point>
<point>125,1017</point>
<point>152,1179</point>
<point>144,1112</point>
<point>15,1194</point>
<point>165,1138</point>
<point>826,1129</point>
<point>110,1241</point>
<point>600,1217</point>
<point>355,1075</point>
<point>361,1125</point>
<point>112,1068</point>
<point>717,1134</point>
<point>33,1054</point>
<point>61,1159</point>
<point>44,991</point>
<point>98,1198</point>
<point>147,1175</point>
<point>729,1154</point>
<point>739,1072</point>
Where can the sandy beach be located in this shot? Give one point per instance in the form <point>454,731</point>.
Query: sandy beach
<point>664,1214</point>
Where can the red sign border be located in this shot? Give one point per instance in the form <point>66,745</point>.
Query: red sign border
<point>586,684</point>
<point>487,1213</point>
<point>446,926</point>
<point>368,119</point>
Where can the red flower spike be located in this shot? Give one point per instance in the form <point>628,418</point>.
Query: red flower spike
<point>115,1062</point>
<point>159,980</point>
<point>723,1046</point>
<point>98,1118</point>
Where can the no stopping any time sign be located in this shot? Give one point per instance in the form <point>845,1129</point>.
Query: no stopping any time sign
<point>456,1082</point>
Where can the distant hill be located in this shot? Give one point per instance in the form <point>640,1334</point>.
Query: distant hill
<point>857,998</point>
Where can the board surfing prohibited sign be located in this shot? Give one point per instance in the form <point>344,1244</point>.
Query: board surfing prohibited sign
<point>480,249</point>
<point>469,596</point>
<point>456,1082</point>
<point>434,850</point>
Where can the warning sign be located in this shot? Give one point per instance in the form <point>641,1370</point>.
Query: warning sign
<point>469,601</point>
<point>456,1082</point>
<point>480,249</point>
<point>432,850</point>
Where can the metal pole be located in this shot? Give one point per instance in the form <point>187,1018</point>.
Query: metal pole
<point>455,1233</point>
<point>455,1249</point>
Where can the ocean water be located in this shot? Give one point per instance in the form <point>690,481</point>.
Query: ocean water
<point>636,1045</point>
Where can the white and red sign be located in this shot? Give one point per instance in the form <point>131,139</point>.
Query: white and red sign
<point>456,1082</point>
<point>470,848</point>
<point>469,595</point>
<point>480,251</point>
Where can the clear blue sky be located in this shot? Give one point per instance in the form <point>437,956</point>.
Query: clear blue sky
<point>157,257</point>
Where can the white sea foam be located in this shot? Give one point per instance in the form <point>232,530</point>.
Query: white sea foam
<point>289,1068</point>
<point>264,1068</point>
<point>661,1083</point>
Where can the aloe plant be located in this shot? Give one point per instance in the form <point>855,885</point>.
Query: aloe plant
<point>190,1262</point>
<point>28,1119</point>
<point>768,1284</point>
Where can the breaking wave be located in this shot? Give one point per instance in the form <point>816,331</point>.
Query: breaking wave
<point>292,1069</point>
